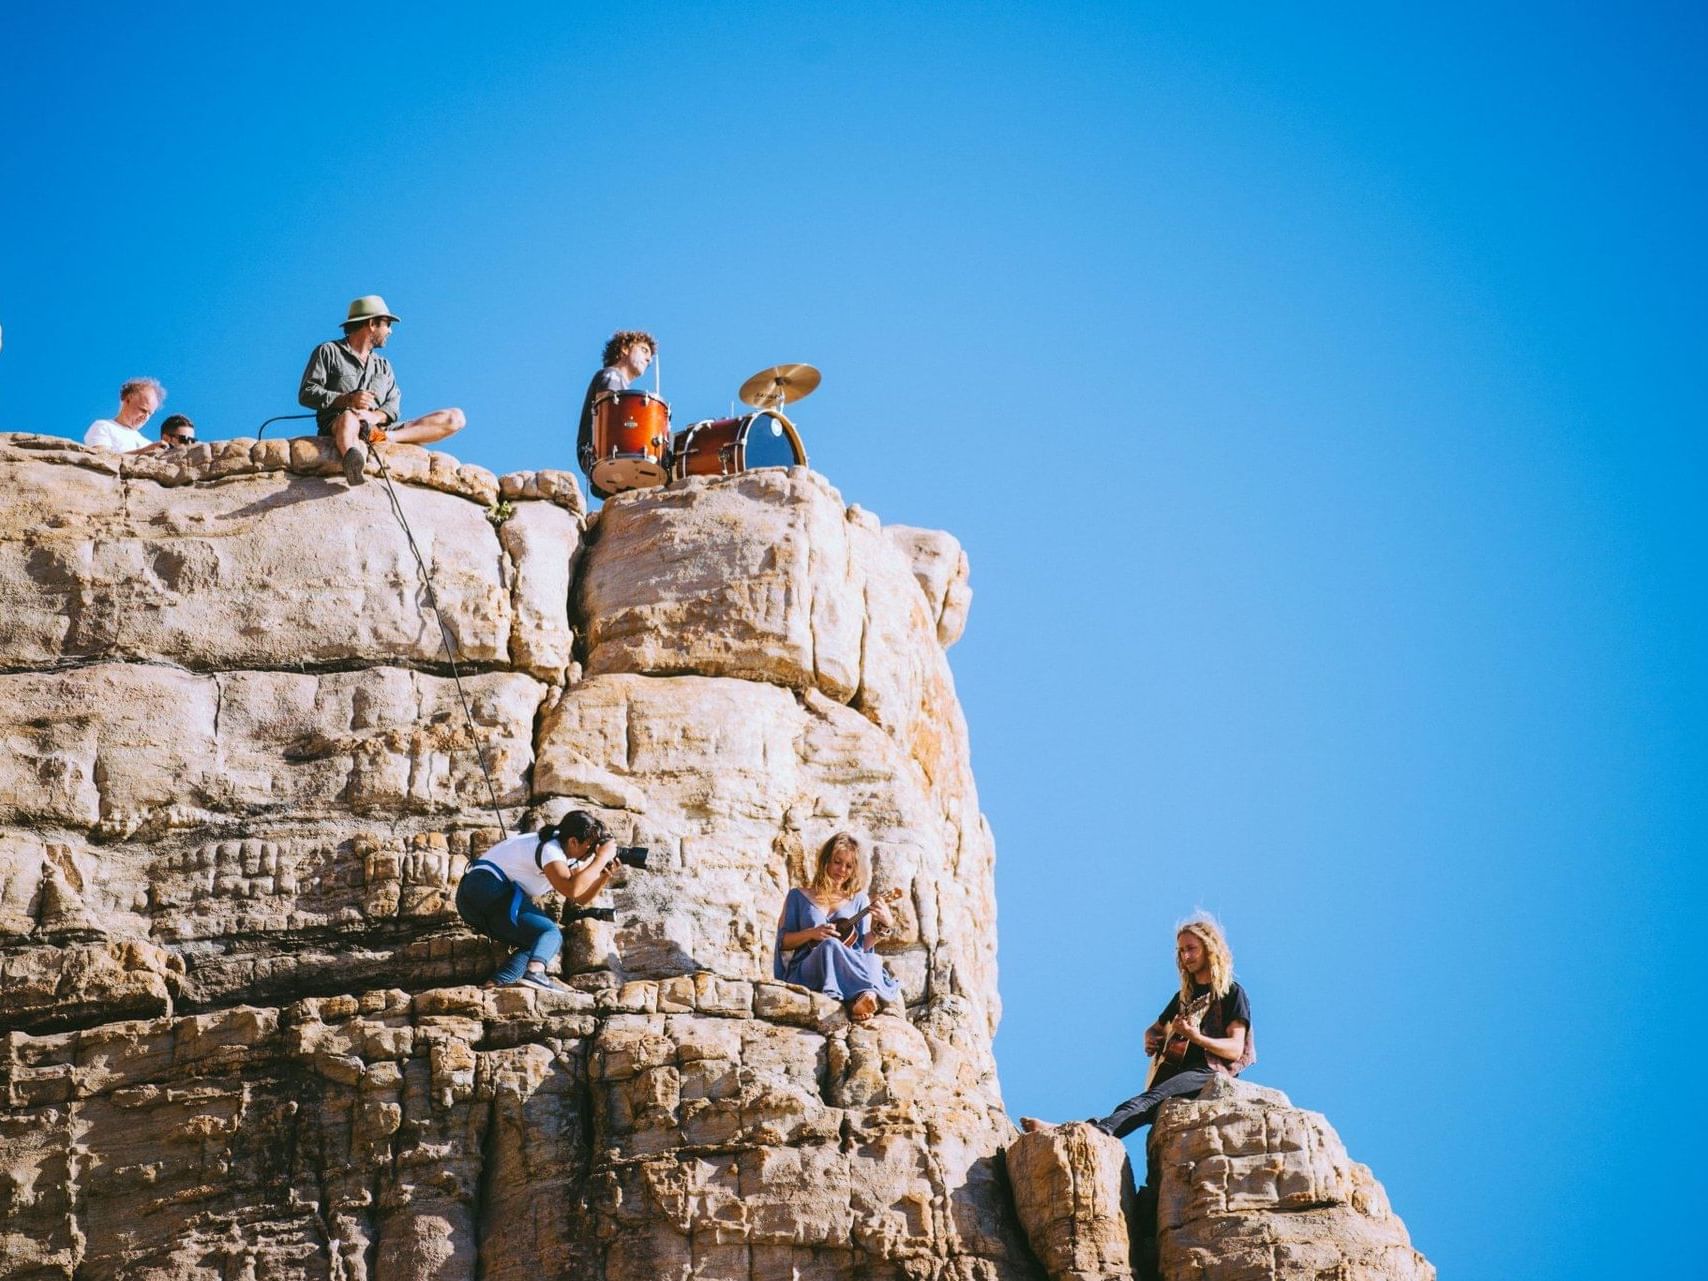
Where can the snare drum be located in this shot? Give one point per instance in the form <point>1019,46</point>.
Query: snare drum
<point>631,432</point>
<point>725,446</point>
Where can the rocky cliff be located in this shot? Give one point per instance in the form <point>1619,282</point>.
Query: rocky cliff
<point>1241,1186</point>
<point>244,1032</point>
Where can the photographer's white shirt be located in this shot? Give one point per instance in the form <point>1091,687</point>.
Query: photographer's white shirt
<point>516,857</point>
<point>104,433</point>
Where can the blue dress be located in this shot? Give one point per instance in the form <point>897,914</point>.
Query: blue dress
<point>831,967</point>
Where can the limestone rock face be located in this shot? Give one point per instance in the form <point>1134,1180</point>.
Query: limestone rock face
<point>241,1033</point>
<point>941,568</point>
<point>1073,1191</point>
<point>735,784</point>
<point>1250,1188</point>
<point>768,577</point>
<point>263,562</point>
<point>697,1127</point>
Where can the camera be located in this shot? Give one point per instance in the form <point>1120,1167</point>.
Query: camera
<point>627,855</point>
<point>573,913</point>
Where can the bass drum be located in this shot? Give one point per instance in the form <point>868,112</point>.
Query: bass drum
<point>725,446</point>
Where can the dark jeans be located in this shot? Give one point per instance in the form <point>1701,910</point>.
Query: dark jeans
<point>1141,1108</point>
<point>484,902</point>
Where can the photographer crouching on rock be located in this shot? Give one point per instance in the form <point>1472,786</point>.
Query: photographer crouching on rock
<point>575,857</point>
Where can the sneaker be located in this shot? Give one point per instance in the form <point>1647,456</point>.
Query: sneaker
<point>498,979</point>
<point>545,982</point>
<point>355,460</point>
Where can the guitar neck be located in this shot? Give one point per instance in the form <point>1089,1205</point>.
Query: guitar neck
<point>1197,1005</point>
<point>849,922</point>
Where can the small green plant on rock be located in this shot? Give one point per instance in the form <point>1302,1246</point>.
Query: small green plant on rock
<point>500,512</point>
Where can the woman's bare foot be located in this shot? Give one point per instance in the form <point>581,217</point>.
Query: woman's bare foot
<point>1032,1125</point>
<point>863,1007</point>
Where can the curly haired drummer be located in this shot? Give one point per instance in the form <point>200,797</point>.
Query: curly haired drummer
<point>626,357</point>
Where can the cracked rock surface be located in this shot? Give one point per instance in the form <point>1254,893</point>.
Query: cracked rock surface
<point>244,1036</point>
<point>1242,1186</point>
<point>1250,1188</point>
<point>1073,1191</point>
<point>242,1032</point>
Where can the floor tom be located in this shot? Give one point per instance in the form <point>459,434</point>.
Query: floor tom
<point>631,441</point>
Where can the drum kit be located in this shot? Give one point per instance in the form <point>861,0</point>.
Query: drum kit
<point>633,447</point>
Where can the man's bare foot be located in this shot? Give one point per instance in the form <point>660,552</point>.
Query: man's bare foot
<point>1032,1125</point>
<point>863,1007</point>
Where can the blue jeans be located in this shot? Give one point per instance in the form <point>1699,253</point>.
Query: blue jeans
<point>1141,1109</point>
<point>484,902</point>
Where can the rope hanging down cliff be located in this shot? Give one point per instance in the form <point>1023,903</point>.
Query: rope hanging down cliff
<point>450,645</point>
<point>445,639</point>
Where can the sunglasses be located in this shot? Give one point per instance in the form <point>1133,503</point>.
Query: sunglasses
<point>182,438</point>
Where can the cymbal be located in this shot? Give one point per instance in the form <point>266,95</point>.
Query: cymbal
<point>771,387</point>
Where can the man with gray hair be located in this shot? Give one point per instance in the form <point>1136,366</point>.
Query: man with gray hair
<point>138,399</point>
<point>354,393</point>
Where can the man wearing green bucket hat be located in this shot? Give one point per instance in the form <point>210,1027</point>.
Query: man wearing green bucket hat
<point>354,393</point>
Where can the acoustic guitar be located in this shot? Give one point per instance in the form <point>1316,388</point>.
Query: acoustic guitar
<point>1174,1046</point>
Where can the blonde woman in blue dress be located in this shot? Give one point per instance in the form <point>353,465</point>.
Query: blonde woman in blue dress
<point>818,949</point>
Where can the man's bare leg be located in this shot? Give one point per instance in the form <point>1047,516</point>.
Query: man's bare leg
<point>352,454</point>
<point>427,428</point>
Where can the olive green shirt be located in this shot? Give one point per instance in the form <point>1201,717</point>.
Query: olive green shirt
<point>334,369</point>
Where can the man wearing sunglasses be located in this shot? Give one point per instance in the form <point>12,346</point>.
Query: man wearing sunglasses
<point>177,431</point>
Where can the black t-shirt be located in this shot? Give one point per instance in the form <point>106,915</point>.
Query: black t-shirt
<point>608,379</point>
<point>1235,1007</point>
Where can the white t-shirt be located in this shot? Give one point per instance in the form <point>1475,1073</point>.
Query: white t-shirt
<point>104,433</point>
<point>516,857</point>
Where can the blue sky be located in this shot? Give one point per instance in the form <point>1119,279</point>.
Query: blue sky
<point>1318,396</point>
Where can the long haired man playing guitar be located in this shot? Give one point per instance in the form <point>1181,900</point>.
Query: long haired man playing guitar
<point>1203,1031</point>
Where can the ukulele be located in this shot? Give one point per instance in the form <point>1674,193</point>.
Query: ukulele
<point>847,926</point>
<point>1174,1045</point>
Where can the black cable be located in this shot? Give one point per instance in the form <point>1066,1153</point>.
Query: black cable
<point>433,600</point>
<point>278,418</point>
<point>444,639</point>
